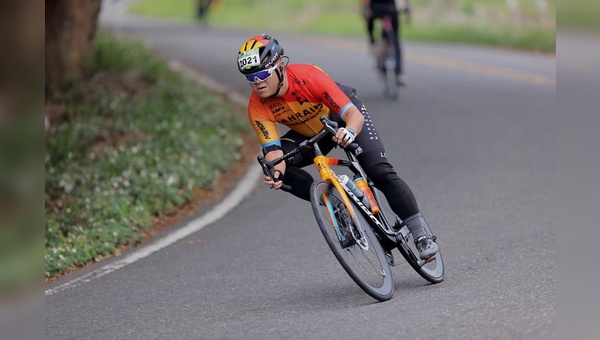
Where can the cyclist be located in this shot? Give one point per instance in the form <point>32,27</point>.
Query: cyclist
<point>377,9</point>
<point>297,96</point>
<point>202,8</point>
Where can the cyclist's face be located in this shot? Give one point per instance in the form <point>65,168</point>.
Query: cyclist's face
<point>266,88</point>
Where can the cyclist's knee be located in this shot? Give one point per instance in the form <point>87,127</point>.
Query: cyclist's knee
<point>381,174</point>
<point>397,192</point>
<point>300,182</point>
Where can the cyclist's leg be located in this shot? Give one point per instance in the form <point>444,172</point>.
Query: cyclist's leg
<point>396,41</point>
<point>300,180</point>
<point>373,159</point>
<point>370,27</point>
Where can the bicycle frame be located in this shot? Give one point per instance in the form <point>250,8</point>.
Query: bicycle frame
<point>387,236</point>
<point>388,47</point>
<point>381,226</point>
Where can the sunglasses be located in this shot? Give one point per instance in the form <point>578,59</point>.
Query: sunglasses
<point>261,75</point>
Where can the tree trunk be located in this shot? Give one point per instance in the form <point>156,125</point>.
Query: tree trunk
<point>70,31</point>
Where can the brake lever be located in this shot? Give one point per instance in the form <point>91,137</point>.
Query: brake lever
<point>269,170</point>
<point>332,127</point>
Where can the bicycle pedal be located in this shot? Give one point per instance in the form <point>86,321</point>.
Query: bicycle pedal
<point>390,258</point>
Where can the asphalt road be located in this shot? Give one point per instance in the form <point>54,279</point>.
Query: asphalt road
<point>473,135</point>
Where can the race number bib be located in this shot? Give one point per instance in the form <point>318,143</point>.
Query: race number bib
<point>249,59</point>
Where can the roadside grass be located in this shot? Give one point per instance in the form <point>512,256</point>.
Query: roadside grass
<point>485,22</point>
<point>579,15</point>
<point>531,39</point>
<point>126,149</point>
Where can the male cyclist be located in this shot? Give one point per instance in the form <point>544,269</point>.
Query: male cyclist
<point>297,96</point>
<point>377,9</point>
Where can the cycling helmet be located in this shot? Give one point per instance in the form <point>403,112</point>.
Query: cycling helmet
<point>259,53</point>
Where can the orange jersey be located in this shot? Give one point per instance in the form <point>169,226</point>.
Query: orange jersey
<point>311,94</point>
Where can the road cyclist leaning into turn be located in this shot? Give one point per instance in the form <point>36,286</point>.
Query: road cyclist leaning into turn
<point>378,9</point>
<point>297,96</point>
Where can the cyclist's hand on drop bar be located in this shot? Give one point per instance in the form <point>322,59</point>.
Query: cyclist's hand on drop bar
<point>275,185</point>
<point>344,136</point>
<point>367,13</point>
<point>272,177</point>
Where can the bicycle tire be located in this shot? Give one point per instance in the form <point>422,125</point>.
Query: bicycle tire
<point>390,84</point>
<point>367,267</point>
<point>432,271</point>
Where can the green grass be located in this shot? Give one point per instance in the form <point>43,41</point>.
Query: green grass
<point>179,9</point>
<point>137,142</point>
<point>579,14</point>
<point>532,39</point>
<point>487,22</point>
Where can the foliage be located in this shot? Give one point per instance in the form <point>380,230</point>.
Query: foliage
<point>489,22</point>
<point>136,142</point>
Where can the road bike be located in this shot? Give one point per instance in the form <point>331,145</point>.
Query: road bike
<point>360,232</point>
<point>387,52</point>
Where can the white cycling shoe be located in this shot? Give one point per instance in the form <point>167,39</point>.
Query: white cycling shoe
<point>427,247</point>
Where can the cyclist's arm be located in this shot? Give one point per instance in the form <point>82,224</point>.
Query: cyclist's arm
<point>353,119</point>
<point>268,136</point>
<point>337,101</point>
<point>279,169</point>
<point>365,8</point>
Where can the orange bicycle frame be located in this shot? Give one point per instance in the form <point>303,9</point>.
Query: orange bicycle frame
<point>327,174</point>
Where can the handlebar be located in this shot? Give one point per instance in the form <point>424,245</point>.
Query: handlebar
<point>332,127</point>
<point>268,167</point>
<point>269,170</point>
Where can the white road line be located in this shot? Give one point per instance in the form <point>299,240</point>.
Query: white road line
<point>241,191</point>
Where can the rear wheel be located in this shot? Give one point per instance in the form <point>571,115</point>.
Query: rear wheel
<point>432,271</point>
<point>390,82</point>
<point>352,241</point>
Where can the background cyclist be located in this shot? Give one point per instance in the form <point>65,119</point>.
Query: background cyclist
<point>296,96</point>
<point>377,9</point>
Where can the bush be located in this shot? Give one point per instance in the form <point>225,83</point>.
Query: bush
<point>129,146</point>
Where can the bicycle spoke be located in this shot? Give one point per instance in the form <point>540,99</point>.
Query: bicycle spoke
<point>352,242</point>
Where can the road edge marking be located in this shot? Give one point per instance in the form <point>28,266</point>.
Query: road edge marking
<point>240,192</point>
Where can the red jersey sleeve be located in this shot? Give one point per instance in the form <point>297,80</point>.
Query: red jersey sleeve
<point>328,92</point>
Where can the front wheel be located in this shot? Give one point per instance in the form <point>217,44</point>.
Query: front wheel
<point>390,81</point>
<point>352,241</point>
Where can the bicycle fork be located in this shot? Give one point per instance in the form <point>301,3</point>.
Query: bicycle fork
<point>322,163</point>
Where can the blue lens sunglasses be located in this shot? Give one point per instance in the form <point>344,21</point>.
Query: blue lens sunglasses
<point>261,75</point>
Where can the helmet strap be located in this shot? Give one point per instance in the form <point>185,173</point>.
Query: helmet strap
<point>280,77</point>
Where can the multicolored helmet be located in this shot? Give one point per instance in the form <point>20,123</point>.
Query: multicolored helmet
<point>259,53</point>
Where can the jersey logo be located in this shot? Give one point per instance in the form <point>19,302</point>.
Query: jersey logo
<point>297,117</point>
<point>301,100</point>
<point>333,104</point>
<point>262,128</point>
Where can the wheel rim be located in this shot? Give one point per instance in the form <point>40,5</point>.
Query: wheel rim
<point>432,271</point>
<point>362,260</point>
